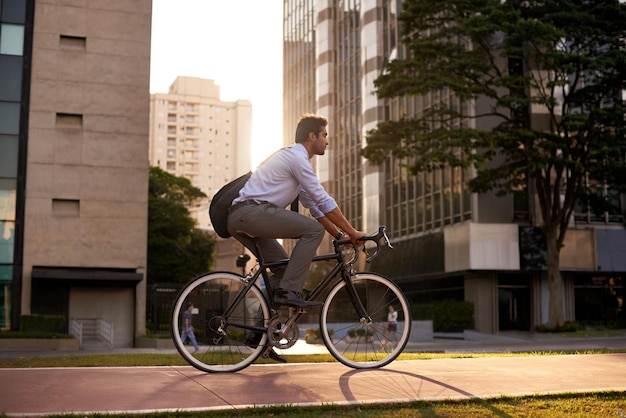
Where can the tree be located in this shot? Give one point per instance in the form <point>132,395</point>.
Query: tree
<point>177,250</point>
<point>547,76</point>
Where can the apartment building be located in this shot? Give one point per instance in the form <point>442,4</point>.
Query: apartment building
<point>196,135</point>
<point>448,242</point>
<point>74,109</point>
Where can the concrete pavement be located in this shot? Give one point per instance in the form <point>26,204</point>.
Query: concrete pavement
<point>44,391</point>
<point>39,392</point>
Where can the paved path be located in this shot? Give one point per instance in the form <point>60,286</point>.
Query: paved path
<point>38,392</point>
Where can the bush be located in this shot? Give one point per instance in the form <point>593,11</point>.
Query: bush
<point>314,336</point>
<point>43,323</point>
<point>35,334</point>
<point>568,326</point>
<point>453,316</point>
<point>422,312</point>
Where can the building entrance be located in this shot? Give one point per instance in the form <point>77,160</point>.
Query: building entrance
<point>513,303</point>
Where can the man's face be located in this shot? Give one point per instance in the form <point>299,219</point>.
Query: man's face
<point>320,142</point>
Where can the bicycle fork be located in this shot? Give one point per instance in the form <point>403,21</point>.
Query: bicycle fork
<point>364,317</point>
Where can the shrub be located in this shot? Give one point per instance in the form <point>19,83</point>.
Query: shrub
<point>34,334</point>
<point>453,316</point>
<point>422,312</point>
<point>43,323</point>
<point>568,326</point>
<point>314,336</point>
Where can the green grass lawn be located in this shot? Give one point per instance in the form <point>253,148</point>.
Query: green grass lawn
<point>578,405</point>
<point>143,359</point>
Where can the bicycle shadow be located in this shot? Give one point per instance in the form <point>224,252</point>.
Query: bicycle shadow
<point>410,387</point>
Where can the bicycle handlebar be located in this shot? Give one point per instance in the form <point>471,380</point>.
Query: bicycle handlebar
<point>376,238</point>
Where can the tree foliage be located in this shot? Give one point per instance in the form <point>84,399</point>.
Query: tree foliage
<point>538,84</point>
<point>177,250</point>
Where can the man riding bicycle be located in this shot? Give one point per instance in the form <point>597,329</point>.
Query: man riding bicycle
<point>259,211</point>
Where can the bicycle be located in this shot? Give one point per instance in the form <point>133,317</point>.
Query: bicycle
<point>352,319</point>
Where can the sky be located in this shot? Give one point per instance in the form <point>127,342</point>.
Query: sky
<point>236,43</point>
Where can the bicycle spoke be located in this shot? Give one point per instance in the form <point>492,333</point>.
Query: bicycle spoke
<point>220,339</point>
<point>361,344</point>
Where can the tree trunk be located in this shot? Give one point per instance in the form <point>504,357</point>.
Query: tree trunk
<point>555,281</point>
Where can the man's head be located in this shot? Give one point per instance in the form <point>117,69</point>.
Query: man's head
<point>309,123</point>
<point>311,132</point>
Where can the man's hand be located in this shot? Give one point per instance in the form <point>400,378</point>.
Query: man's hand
<point>355,237</point>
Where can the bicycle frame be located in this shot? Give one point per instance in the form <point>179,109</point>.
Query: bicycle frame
<point>330,278</point>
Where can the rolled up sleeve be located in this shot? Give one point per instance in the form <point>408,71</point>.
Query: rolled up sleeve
<point>320,208</point>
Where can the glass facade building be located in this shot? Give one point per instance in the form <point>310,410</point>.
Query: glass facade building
<point>448,242</point>
<point>15,42</point>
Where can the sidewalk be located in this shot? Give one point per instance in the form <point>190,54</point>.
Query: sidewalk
<point>46,391</point>
<point>88,390</point>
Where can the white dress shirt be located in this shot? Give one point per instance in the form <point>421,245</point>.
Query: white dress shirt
<point>283,177</point>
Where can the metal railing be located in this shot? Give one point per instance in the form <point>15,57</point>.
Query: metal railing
<point>76,330</point>
<point>86,328</point>
<point>104,331</point>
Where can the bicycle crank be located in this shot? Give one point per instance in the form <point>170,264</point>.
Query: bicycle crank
<point>277,336</point>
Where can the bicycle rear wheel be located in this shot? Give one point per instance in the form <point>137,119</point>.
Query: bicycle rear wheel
<point>220,339</point>
<point>367,343</point>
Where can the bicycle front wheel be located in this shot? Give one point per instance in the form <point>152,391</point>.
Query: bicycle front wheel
<point>365,343</point>
<point>219,338</point>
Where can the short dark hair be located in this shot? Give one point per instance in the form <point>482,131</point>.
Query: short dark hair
<point>309,123</point>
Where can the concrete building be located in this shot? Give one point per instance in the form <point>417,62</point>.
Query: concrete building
<point>449,243</point>
<point>74,113</point>
<point>196,135</point>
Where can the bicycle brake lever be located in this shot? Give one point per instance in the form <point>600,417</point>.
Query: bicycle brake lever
<point>387,239</point>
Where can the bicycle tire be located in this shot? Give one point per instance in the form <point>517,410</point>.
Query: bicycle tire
<point>364,345</point>
<point>211,294</point>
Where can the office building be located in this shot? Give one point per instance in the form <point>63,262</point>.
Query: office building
<point>449,243</point>
<point>74,113</point>
<point>196,135</point>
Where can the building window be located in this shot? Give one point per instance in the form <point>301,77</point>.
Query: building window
<point>11,78</point>
<point>11,39</point>
<point>8,160</point>
<point>65,207</point>
<point>68,120</point>
<point>73,42</point>
<point>7,236</point>
<point>605,207</point>
<point>9,118</point>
